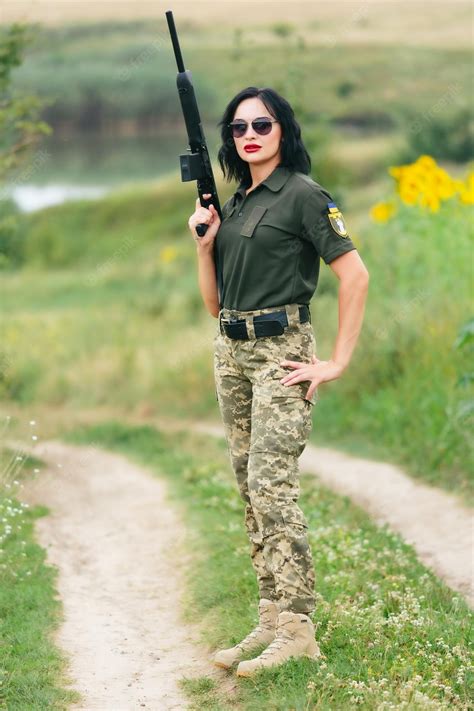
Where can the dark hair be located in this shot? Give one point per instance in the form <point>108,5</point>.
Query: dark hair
<point>293,153</point>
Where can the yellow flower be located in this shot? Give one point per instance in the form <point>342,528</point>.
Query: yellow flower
<point>458,185</point>
<point>444,184</point>
<point>430,201</point>
<point>382,211</point>
<point>167,255</point>
<point>426,162</point>
<point>466,192</point>
<point>426,184</point>
<point>396,171</point>
<point>408,193</point>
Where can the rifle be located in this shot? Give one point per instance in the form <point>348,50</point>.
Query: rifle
<point>195,164</point>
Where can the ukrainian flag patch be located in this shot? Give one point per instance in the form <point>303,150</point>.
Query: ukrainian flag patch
<point>336,220</point>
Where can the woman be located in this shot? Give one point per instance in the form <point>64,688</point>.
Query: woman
<point>274,230</point>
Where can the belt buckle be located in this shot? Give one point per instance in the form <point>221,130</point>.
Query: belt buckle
<point>231,319</point>
<point>222,321</point>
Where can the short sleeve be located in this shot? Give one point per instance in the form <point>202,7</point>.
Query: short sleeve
<point>323,225</point>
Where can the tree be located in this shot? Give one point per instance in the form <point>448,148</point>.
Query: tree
<point>20,124</point>
<point>20,130</point>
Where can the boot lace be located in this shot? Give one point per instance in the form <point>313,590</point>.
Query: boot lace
<point>250,637</point>
<point>277,643</point>
<point>265,624</point>
<point>282,638</point>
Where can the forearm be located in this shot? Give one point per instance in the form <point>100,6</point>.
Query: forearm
<point>207,280</point>
<point>352,298</point>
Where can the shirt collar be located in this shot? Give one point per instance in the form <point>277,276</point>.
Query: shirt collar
<point>275,181</point>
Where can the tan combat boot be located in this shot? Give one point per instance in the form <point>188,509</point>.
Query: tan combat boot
<point>264,633</point>
<point>294,638</point>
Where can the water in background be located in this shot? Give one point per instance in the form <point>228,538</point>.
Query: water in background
<point>88,166</point>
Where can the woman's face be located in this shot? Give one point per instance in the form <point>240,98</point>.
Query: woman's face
<point>248,110</point>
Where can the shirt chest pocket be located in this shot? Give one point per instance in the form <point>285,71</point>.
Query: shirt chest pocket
<point>252,221</point>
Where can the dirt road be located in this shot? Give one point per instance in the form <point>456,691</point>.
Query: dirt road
<point>118,545</point>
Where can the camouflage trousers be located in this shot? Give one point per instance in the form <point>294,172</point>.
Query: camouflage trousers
<point>267,425</point>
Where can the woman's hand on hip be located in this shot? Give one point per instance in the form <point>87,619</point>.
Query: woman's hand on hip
<point>208,217</point>
<point>318,371</point>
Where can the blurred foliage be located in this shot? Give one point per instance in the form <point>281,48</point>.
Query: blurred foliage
<point>444,135</point>
<point>20,127</point>
<point>100,74</point>
<point>20,130</point>
<point>283,29</point>
<point>465,341</point>
<point>12,235</point>
<point>97,75</point>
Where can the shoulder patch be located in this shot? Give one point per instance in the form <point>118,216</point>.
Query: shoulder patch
<point>336,219</point>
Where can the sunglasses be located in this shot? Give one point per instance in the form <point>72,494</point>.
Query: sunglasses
<point>262,126</point>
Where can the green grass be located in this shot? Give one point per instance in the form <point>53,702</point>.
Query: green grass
<point>392,635</point>
<point>32,669</point>
<point>106,312</point>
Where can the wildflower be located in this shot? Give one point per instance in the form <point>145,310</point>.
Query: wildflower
<point>425,184</point>
<point>382,211</point>
<point>426,162</point>
<point>466,191</point>
<point>167,255</point>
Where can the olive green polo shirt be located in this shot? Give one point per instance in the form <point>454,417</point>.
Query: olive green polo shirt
<point>270,242</point>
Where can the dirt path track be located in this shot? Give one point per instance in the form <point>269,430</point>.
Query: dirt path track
<point>119,548</point>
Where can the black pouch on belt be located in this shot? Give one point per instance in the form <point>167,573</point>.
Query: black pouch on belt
<point>269,324</point>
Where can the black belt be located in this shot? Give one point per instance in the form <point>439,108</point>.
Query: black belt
<point>269,324</point>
